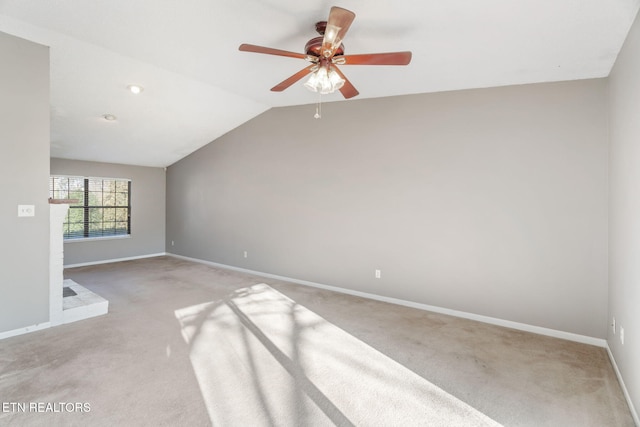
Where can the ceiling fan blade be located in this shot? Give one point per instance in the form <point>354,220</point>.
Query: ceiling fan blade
<point>347,90</point>
<point>270,51</point>
<point>337,26</point>
<point>390,58</point>
<point>291,80</point>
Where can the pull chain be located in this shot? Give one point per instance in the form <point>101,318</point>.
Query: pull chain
<point>318,113</point>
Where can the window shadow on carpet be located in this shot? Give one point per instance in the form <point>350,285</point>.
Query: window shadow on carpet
<point>262,359</point>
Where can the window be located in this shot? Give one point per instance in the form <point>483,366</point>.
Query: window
<point>103,208</point>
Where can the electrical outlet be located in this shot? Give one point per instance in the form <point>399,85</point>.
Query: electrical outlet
<point>26,210</point>
<point>613,326</point>
<point>245,254</point>
<point>378,274</point>
<point>622,335</point>
<point>172,243</point>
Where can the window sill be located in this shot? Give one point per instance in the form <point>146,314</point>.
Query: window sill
<point>94,239</point>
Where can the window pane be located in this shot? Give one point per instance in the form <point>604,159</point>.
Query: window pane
<point>75,215</point>
<point>109,214</point>
<point>122,199</point>
<point>95,198</point>
<point>122,214</point>
<point>95,214</point>
<point>95,184</point>
<point>109,199</point>
<point>122,186</point>
<point>75,183</point>
<point>60,184</point>
<point>121,228</point>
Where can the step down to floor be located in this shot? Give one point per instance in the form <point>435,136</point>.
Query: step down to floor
<point>83,305</point>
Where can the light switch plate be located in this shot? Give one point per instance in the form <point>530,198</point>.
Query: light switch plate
<point>26,210</point>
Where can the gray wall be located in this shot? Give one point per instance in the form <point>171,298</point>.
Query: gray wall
<point>24,171</point>
<point>147,212</point>
<point>489,201</point>
<point>624,211</point>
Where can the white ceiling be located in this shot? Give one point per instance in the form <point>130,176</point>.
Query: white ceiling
<point>198,86</point>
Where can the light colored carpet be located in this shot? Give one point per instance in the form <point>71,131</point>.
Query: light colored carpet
<point>262,359</point>
<point>134,367</point>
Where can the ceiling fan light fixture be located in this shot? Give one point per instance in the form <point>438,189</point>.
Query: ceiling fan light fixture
<point>336,81</point>
<point>324,81</point>
<point>313,82</point>
<point>325,84</point>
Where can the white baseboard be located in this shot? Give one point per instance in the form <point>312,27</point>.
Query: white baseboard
<point>632,408</point>
<point>109,261</point>
<point>471,316</point>
<point>25,330</point>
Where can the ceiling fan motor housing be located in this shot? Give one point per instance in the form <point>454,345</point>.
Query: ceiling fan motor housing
<point>314,47</point>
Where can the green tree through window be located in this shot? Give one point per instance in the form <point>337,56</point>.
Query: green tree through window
<point>103,205</point>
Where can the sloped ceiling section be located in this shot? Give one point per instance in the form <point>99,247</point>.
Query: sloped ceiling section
<point>198,86</point>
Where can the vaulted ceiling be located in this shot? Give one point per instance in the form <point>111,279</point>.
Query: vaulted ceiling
<point>198,86</point>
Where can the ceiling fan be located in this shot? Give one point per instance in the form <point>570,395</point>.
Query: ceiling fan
<point>325,54</point>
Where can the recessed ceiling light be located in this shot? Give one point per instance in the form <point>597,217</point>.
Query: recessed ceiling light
<point>136,89</point>
<point>109,117</point>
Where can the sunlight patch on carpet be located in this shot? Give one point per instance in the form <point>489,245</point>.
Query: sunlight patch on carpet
<point>262,359</point>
